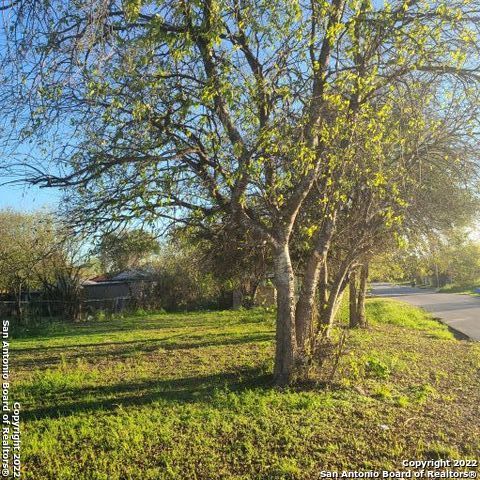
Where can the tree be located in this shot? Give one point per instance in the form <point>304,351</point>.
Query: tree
<point>441,212</point>
<point>126,249</point>
<point>463,261</point>
<point>60,275</point>
<point>27,240</point>
<point>181,281</point>
<point>37,255</point>
<point>358,291</point>
<point>183,111</point>
<point>444,257</point>
<point>238,261</point>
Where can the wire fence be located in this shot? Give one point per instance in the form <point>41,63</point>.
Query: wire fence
<point>57,308</point>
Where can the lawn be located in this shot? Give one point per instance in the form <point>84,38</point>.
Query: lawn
<point>189,396</point>
<point>462,289</point>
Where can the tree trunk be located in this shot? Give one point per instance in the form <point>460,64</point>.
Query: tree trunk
<point>237,298</point>
<point>285,353</point>
<point>323,285</point>
<point>353,310</point>
<point>249,294</point>
<point>362,293</point>
<point>338,302</point>
<point>305,305</point>
<point>305,310</point>
<point>323,291</point>
<point>334,298</point>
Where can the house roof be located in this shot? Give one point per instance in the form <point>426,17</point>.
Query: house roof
<point>134,274</point>
<point>125,276</point>
<point>99,278</point>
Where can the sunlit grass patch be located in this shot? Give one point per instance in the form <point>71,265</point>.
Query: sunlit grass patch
<point>468,289</point>
<point>404,315</point>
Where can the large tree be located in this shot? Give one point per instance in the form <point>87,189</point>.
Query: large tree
<point>261,110</point>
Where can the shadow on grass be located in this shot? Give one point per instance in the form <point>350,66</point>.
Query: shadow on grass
<point>198,389</point>
<point>159,321</point>
<point>119,350</point>
<point>66,330</point>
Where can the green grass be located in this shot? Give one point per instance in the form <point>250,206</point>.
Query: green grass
<point>189,396</point>
<point>401,314</point>
<point>462,289</point>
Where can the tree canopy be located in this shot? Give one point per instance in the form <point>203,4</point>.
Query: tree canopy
<point>293,118</point>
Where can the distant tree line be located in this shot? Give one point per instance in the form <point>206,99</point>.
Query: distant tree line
<point>439,259</point>
<point>38,255</point>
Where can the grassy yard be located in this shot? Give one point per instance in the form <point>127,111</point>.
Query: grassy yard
<point>462,289</point>
<point>189,396</point>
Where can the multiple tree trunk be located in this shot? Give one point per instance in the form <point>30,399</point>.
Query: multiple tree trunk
<point>307,313</point>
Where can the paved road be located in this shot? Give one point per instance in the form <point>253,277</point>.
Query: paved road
<point>461,312</point>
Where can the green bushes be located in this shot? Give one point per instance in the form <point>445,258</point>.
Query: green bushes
<point>181,287</point>
<point>376,368</point>
<point>179,282</point>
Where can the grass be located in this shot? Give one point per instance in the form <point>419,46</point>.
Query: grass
<point>189,396</point>
<point>401,314</point>
<point>461,289</point>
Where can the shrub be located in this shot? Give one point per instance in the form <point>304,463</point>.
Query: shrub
<point>376,368</point>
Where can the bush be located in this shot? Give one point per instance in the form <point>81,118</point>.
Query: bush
<point>376,368</point>
<point>179,283</point>
<point>181,288</point>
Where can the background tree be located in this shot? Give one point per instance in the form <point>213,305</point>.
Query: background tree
<point>444,257</point>
<point>181,281</point>
<point>27,240</point>
<point>127,249</point>
<point>236,258</point>
<point>60,277</point>
<point>37,255</point>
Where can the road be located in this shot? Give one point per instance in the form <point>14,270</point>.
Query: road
<point>460,312</point>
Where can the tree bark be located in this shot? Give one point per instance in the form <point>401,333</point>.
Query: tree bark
<point>334,298</point>
<point>362,293</point>
<point>250,292</point>
<point>237,299</point>
<point>285,353</point>
<point>323,291</point>
<point>18,302</point>
<point>323,285</point>
<point>353,310</point>
<point>306,302</point>
<point>338,302</point>
<point>304,313</point>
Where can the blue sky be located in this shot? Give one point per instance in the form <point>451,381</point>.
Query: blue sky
<point>25,198</point>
